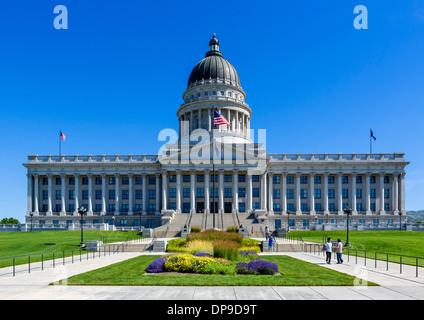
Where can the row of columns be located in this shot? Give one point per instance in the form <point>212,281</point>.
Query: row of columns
<point>266,192</point>
<point>240,123</point>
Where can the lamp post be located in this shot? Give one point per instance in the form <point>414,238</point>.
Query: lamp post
<point>348,211</point>
<point>140,213</point>
<point>81,211</point>
<point>288,221</point>
<point>31,214</point>
<point>400,220</point>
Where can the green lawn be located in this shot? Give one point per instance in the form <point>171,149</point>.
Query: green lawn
<point>24,243</point>
<point>295,273</point>
<point>408,243</point>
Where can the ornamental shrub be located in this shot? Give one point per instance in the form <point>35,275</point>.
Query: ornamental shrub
<point>232,229</point>
<point>177,245</point>
<point>196,229</point>
<point>257,267</point>
<point>226,249</point>
<point>156,265</point>
<point>199,246</point>
<point>187,263</point>
<point>251,255</point>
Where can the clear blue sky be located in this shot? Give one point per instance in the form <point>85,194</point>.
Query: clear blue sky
<point>115,78</point>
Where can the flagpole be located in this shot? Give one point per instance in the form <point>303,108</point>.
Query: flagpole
<point>213,169</point>
<point>60,145</point>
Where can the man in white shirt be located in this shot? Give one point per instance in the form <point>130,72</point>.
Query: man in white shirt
<point>328,248</point>
<point>339,251</point>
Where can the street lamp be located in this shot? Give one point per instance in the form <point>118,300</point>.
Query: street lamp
<point>288,221</point>
<point>400,219</point>
<point>140,213</point>
<point>31,214</point>
<point>81,211</point>
<point>348,211</point>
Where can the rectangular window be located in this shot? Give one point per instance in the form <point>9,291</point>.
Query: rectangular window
<point>125,208</point>
<point>45,194</point>
<point>214,194</point>
<point>359,207</point>
<point>303,193</point>
<point>186,207</point>
<point>318,207</point>
<point>386,193</point>
<point>276,179</point>
<point>186,192</point>
<point>58,181</point>
<point>200,178</point>
<point>345,179</point>
<point>255,192</point>
<point>332,207</point>
<point>386,179</point>
<point>45,181</point>
<point>112,194</point>
<point>138,207</point>
<point>276,194</point>
<point>85,180</point>
<point>98,195</point>
<point>98,208</point>
<point>372,193</point>
<point>85,194</point>
<point>276,207</point>
<point>317,179</point>
<point>386,207</point>
<point>358,193</point>
<point>173,178</point>
<point>98,180</point>
<point>290,193</point>
<point>290,179</point>
<point>330,193</point>
<point>58,207</point>
<point>372,206</point>
<point>58,194</point>
<point>152,194</point>
<point>139,194</point>
<point>345,193</point>
<point>200,192</point>
<point>303,207</point>
<point>228,193</point>
<point>111,207</point>
<point>71,208</point>
<point>372,179</point>
<point>186,178</point>
<point>303,179</point>
<point>71,181</point>
<point>242,207</point>
<point>152,180</point>
<point>112,180</point>
<point>242,178</point>
<point>172,206</point>
<point>172,192</point>
<point>242,192</point>
<point>152,208</point>
<point>255,205</point>
<point>125,194</point>
<point>227,178</point>
<point>317,193</point>
<point>216,177</point>
<point>358,179</point>
<point>138,180</point>
<point>330,179</point>
<point>255,178</point>
<point>290,207</point>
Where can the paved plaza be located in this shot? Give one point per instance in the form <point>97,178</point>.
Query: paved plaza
<point>36,285</point>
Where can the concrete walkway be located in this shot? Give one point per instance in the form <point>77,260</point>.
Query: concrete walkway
<point>35,285</point>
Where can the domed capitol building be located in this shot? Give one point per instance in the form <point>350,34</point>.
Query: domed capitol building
<point>217,174</point>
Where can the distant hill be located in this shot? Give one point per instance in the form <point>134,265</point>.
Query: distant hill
<point>414,216</point>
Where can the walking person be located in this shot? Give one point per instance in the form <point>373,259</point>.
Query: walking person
<point>252,230</point>
<point>266,233</point>
<point>339,251</point>
<point>270,244</point>
<point>328,246</point>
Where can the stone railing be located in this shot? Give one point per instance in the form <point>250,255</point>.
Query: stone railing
<point>337,157</point>
<point>93,158</point>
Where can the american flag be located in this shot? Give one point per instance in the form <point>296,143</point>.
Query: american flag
<point>219,119</point>
<point>62,136</point>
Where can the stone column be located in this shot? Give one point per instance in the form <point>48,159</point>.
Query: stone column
<point>192,192</point>
<point>164,190</point>
<point>63,191</point>
<point>29,194</point>
<point>402,193</point>
<point>353,193</point>
<point>144,195</point>
<point>297,195</point>
<point>270,193</point>
<point>395,194</point>
<point>131,194</point>
<point>157,194</point>
<point>117,197</point>
<point>90,194</point>
<point>284,193</point>
<point>367,194</point>
<point>36,195</point>
<point>207,201</point>
<point>103,193</point>
<point>49,189</point>
<point>235,187</point>
<point>339,194</point>
<point>249,192</point>
<point>325,195</point>
<point>381,192</point>
<point>263,191</point>
<point>76,177</point>
<point>178,192</point>
<point>312,193</point>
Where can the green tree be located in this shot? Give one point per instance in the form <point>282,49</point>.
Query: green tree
<point>9,221</point>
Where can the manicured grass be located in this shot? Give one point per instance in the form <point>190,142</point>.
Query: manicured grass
<point>24,243</point>
<point>409,243</point>
<point>295,273</point>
